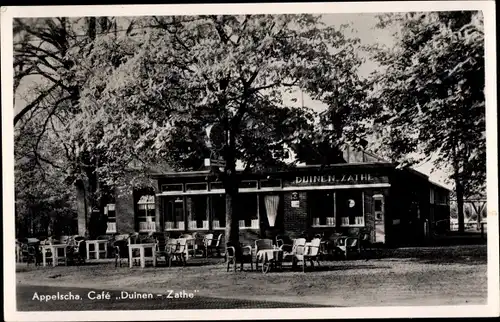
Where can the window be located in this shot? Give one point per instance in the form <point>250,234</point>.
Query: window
<point>246,209</point>
<point>109,210</point>
<point>146,213</point>
<point>350,208</point>
<point>270,183</point>
<point>196,186</point>
<point>197,212</point>
<point>322,208</point>
<point>378,208</point>
<point>218,211</point>
<point>173,212</point>
<point>171,187</point>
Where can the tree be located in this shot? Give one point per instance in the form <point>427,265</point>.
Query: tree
<point>42,55</point>
<point>429,95</point>
<point>232,71</point>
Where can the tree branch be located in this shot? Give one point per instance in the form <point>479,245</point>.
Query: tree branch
<point>33,104</point>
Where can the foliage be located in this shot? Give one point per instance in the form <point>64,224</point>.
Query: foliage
<point>429,94</point>
<point>189,72</point>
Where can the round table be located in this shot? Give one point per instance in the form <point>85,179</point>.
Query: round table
<point>270,258</point>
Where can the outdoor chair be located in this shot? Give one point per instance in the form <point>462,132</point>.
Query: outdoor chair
<point>304,252</point>
<point>312,253</point>
<point>76,251</point>
<point>354,245</point>
<point>178,252</point>
<point>240,254</point>
<point>207,241</point>
<point>290,251</point>
<point>261,244</point>
<point>214,246</point>
<point>31,255</point>
<point>197,245</point>
<point>120,250</point>
<point>162,248</point>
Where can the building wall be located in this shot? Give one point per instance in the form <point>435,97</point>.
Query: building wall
<point>295,219</point>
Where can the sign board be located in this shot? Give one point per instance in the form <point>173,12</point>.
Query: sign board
<point>295,204</point>
<point>215,163</point>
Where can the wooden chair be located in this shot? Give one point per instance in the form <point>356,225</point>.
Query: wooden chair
<point>298,247</point>
<point>179,252</point>
<point>214,245</point>
<point>162,248</point>
<point>312,253</point>
<point>120,250</point>
<point>354,245</point>
<point>240,254</point>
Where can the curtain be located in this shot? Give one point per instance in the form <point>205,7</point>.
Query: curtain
<point>272,202</point>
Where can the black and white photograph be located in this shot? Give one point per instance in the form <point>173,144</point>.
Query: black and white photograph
<point>202,161</point>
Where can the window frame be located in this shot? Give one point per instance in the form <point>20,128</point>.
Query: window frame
<point>171,202</point>
<point>188,215</point>
<point>363,216</point>
<point>257,213</point>
<point>312,218</point>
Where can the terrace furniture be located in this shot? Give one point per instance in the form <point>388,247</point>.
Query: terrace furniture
<point>162,248</point>
<point>214,245</point>
<point>261,244</point>
<point>353,245</point>
<point>98,248</point>
<point>240,254</point>
<point>179,251</point>
<point>298,248</point>
<point>120,247</point>
<point>197,244</point>
<point>312,253</point>
<point>76,250</point>
<point>142,253</point>
<point>270,258</point>
<point>31,253</point>
<point>55,253</point>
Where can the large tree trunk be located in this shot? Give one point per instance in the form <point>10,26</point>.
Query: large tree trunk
<point>232,227</point>
<point>81,208</point>
<point>460,203</point>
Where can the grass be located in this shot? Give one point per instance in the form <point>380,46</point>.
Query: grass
<point>446,276</point>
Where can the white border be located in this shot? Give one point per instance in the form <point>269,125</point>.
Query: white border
<point>488,8</point>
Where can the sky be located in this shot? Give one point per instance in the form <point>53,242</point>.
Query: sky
<point>363,27</point>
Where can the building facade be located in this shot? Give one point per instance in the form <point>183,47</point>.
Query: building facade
<point>395,206</point>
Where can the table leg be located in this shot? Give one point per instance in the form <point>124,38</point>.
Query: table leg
<point>97,250</point>
<point>131,260</point>
<point>106,250</point>
<point>88,251</point>
<point>55,258</point>
<point>143,260</point>
<point>44,257</point>
<point>154,256</point>
<point>65,257</point>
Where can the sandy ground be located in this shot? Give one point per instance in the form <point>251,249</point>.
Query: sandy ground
<point>426,280</point>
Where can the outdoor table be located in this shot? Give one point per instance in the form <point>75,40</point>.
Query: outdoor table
<point>270,258</point>
<point>55,253</point>
<point>142,248</point>
<point>97,250</point>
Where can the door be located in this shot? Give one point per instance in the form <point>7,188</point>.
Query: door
<point>379,212</point>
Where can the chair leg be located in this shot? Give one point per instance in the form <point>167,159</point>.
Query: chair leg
<point>304,265</point>
<point>228,264</point>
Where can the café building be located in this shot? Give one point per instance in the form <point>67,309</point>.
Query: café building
<point>395,206</point>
